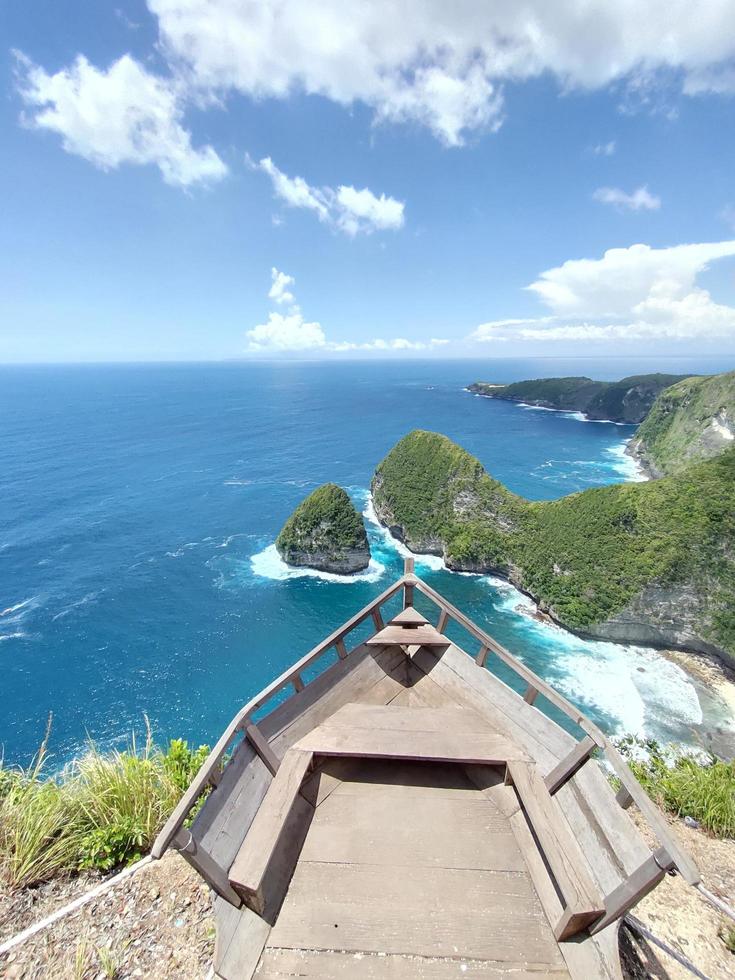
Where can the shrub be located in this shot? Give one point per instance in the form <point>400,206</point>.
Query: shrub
<point>101,811</point>
<point>702,788</point>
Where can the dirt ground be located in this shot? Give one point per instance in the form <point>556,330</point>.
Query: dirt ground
<point>677,914</point>
<point>158,923</point>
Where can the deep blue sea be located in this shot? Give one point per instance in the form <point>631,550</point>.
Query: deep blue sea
<point>139,507</point>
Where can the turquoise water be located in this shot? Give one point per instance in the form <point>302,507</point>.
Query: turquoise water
<point>139,509</point>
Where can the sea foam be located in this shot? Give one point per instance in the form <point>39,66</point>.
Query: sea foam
<point>269,564</point>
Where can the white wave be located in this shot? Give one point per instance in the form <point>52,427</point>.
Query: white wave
<point>635,686</point>
<point>18,606</point>
<point>628,467</point>
<point>434,562</point>
<point>175,554</point>
<point>12,636</point>
<point>565,413</point>
<point>85,600</point>
<point>269,564</point>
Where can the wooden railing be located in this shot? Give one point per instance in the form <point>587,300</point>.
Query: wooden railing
<point>669,856</point>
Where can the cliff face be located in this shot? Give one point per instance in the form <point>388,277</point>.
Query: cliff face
<point>628,400</point>
<point>646,562</point>
<point>691,421</point>
<point>325,532</point>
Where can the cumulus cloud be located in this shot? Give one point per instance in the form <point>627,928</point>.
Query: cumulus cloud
<point>349,210</point>
<point>121,115</point>
<point>279,291</point>
<point>291,332</point>
<point>640,199</point>
<point>442,65</point>
<point>630,293</point>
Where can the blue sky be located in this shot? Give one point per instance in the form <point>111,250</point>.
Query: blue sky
<point>395,176</point>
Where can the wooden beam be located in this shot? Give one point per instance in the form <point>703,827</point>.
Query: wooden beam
<point>377,619</point>
<point>261,746</point>
<point>409,565</point>
<point>635,887</point>
<point>623,798</point>
<point>531,694</point>
<point>341,649</point>
<point>481,658</point>
<point>298,684</point>
<point>442,621</point>
<point>571,762</point>
<point>204,863</point>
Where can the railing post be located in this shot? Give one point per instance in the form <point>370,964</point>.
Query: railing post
<point>408,569</point>
<point>481,658</point>
<point>341,649</point>
<point>635,887</point>
<point>531,694</point>
<point>623,798</point>
<point>571,762</point>
<point>203,862</point>
<point>442,621</point>
<point>377,619</point>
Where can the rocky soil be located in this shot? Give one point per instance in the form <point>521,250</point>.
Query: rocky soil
<point>158,923</point>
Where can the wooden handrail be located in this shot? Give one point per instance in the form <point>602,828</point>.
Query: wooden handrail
<point>209,769</point>
<point>536,685</point>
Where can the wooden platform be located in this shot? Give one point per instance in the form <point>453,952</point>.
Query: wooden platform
<point>408,870</point>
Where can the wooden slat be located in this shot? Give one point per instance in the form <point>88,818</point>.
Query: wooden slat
<point>203,862</point>
<point>636,887</point>
<point>430,912</point>
<point>309,964</point>
<point>239,944</point>
<point>425,635</point>
<point>255,857</point>
<point>574,760</point>
<point>261,746</point>
<point>447,718</point>
<point>583,902</point>
<point>460,831</point>
<point>409,617</point>
<point>404,744</point>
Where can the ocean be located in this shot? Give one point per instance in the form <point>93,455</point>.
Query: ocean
<point>140,503</point>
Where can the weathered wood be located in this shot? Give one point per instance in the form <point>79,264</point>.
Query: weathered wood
<point>425,636</point>
<point>564,771</point>
<point>201,861</point>
<point>449,719</point>
<point>531,694</point>
<point>341,649</point>
<point>441,623</point>
<point>255,857</point>
<point>386,909</point>
<point>405,744</point>
<point>201,780</point>
<point>582,900</point>
<point>298,684</point>
<point>636,887</point>
<point>241,936</point>
<point>623,798</point>
<point>261,746</point>
<point>311,964</point>
<point>377,619</point>
<point>409,617</point>
<point>409,565</point>
<point>481,658</point>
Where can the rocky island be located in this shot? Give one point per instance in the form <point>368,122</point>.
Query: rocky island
<point>628,400</point>
<point>650,563</point>
<point>325,532</point>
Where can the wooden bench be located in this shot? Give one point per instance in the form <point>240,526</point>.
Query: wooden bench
<point>267,853</point>
<point>582,901</point>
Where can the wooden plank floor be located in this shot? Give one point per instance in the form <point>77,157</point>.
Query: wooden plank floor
<point>409,871</point>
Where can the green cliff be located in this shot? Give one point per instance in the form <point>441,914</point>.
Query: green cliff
<point>693,420</point>
<point>325,532</point>
<point>628,400</point>
<point>641,562</point>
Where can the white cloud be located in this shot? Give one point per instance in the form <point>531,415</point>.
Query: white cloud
<point>122,115</point>
<point>442,65</point>
<point>284,332</point>
<point>630,293</point>
<point>290,332</point>
<point>350,210</point>
<point>640,199</point>
<point>279,291</point>
<point>604,149</point>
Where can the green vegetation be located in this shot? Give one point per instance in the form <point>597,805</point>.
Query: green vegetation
<point>101,811</point>
<point>628,400</point>
<point>688,422</point>
<point>684,785</point>
<point>325,526</point>
<point>584,557</point>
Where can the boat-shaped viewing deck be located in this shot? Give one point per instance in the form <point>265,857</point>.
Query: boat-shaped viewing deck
<point>405,812</point>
